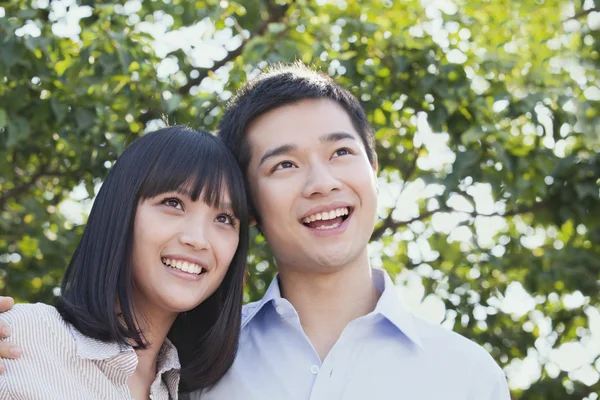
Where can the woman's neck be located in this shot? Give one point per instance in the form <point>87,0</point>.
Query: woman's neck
<point>155,327</point>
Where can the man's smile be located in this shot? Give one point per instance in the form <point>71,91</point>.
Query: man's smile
<point>327,218</point>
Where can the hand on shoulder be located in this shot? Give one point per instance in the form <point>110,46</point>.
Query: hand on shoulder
<point>6,350</point>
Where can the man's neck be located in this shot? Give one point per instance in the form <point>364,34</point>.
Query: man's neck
<point>327,302</point>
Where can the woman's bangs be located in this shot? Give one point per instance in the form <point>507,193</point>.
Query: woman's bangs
<point>201,167</point>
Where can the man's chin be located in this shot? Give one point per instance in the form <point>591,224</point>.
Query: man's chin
<point>334,261</point>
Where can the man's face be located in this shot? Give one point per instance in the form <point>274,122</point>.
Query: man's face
<point>312,184</point>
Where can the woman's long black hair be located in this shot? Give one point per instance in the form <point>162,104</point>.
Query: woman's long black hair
<point>99,276</point>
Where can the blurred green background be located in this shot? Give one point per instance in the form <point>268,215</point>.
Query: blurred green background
<point>487,117</point>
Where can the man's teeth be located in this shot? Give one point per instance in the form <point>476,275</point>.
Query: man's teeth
<point>183,266</point>
<point>324,216</point>
<point>329,226</point>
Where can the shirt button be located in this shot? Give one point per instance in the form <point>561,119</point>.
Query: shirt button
<point>314,369</point>
<point>279,310</point>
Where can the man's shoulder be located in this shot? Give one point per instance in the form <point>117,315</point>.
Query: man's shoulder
<point>449,349</point>
<point>446,343</point>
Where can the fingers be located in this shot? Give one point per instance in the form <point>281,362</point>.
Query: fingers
<point>6,350</point>
<point>4,330</point>
<point>6,303</point>
<point>9,350</point>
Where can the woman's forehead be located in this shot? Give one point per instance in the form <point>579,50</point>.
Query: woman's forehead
<point>208,195</point>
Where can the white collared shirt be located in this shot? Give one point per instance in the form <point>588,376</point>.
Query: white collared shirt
<point>59,362</point>
<point>387,354</point>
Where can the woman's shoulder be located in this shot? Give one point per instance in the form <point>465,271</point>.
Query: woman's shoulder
<point>31,313</point>
<point>49,355</point>
<point>34,322</point>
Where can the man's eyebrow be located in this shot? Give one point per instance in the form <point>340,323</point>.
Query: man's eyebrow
<point>288,148</point>
<point>277,151</point>
<point>336,136</point>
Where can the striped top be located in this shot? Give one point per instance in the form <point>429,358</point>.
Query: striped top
<point>59,362</point>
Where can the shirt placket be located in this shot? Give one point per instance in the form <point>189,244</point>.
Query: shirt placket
<point>333,373</point>
<point>119,368</point>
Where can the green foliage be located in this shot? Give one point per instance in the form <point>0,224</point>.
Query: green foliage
<point>508,92</point>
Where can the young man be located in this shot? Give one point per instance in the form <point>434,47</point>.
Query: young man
<point>329,326</point>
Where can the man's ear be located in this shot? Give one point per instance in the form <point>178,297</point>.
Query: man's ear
<point>375,164</point>
<point>252,220</point>
<point>375,167</point>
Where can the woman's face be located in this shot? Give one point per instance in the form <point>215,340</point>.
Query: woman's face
<point>181,251</point>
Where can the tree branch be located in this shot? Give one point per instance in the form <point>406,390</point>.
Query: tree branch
<point>276,14</point>
<point>406,175</point>
<point>19,190</point>
<point>391,224</point>
<point>583,13</point>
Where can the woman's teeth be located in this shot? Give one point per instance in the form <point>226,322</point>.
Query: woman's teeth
<point>327,215</point>
<point>183,266</point>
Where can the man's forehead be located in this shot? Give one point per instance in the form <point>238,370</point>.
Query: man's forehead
<point>305,119</point>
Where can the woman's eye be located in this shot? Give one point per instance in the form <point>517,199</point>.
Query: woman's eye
<point>226,219</point>
<point>341,152</point>
<point>173,202</point>
<point>284,165</point>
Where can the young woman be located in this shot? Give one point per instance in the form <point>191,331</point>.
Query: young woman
<point>154,289</point>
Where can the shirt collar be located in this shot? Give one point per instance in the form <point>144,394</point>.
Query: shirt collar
<point>168,358</point>
<point>94,349</point>
<point>168,367</point>
<point>389,306</point>
<point>251,309</point>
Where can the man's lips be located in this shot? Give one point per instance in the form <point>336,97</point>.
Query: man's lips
<point>329,227</point>
<point>328,221</point>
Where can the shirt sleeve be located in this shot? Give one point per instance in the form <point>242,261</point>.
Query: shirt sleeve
<point>500,390</point>
<point>488,381</point>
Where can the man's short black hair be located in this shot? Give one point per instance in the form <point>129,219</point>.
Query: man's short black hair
<point>282,85</point>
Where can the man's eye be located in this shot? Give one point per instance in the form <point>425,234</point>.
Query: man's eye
<point>342,152</point>
<point>173,202</point>
<point>284,165</point>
